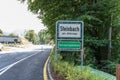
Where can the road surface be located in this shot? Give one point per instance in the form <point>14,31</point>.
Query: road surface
<point>23,65</point>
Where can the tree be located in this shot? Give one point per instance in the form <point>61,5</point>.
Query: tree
<point>32,37</point>
<point>12,34</point>
<point>97,16</point>
<point>44,36</point>
<point>1,32</point>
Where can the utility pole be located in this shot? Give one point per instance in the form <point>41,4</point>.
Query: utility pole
<point>110,42</point>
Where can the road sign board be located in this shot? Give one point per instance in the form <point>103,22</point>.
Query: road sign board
<point>69,45</point>
<point>70,37</point>
<point>69,29</point>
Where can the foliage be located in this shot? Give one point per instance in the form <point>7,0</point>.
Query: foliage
<point>110,66</point>
<point>32,37</point>
<point>95,14</point>
<point>98,16</point>
<point>12,34</point>
<point>71,72</point>
<point>1,32</point>
<point>44,37</point>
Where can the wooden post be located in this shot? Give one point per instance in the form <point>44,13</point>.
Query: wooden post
<point>118,72</point>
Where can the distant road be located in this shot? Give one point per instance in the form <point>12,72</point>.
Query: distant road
<point>23,65</point>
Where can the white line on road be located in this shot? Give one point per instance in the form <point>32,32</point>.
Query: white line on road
<point>3,70</point>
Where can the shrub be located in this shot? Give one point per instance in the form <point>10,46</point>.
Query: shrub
<point>71,72</point>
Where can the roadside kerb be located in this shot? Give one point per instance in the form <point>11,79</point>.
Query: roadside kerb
<point>48,66</point>
<point>47,72</point>
<point>45,76</point>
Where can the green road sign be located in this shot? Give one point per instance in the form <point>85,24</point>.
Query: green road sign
<point>70,37</point>
<point>69,45</point>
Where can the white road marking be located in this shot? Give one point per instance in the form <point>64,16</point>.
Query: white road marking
<point>3,70</point>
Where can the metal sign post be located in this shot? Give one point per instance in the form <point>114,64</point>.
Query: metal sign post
<point>70,37</point>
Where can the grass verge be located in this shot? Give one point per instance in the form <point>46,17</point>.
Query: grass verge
<point>62,70</point>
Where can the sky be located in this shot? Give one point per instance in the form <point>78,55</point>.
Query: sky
<point>15,18</point>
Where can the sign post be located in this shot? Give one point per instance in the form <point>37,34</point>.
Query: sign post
<point>70,36</point>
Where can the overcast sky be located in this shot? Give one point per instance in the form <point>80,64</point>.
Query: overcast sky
<point>14,17</point>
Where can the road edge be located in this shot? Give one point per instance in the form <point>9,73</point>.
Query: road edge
<point>47,72</point>
<point>45,76</point>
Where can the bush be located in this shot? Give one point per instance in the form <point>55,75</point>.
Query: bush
<point>71,72</point>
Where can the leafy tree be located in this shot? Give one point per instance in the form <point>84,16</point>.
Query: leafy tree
<point>1,32</point>
<point>44,36</point>
<point>32,37</point>
<point>89,11</point>
<point>12,34</point>
<point>98,17</point>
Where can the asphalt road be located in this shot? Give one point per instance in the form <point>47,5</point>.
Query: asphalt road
<point>23,65</point>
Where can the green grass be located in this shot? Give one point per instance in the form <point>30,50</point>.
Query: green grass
<point>71,72</point>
